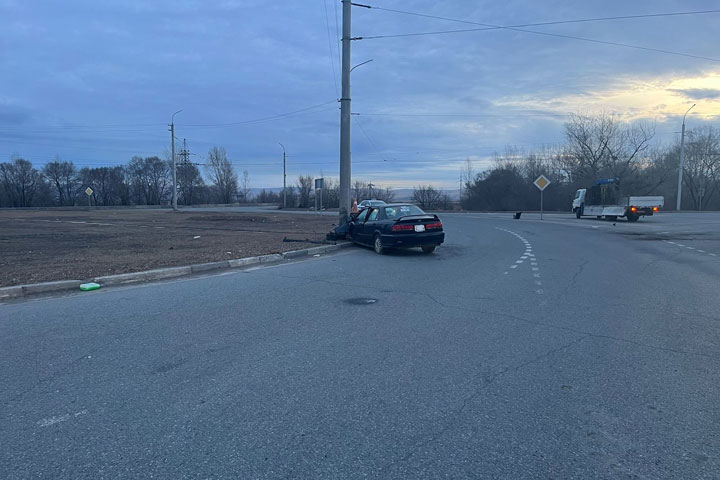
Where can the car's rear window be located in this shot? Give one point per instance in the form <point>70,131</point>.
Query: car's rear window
<point>402,211</point>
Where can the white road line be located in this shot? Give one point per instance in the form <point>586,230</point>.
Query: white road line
<point>46,422</point>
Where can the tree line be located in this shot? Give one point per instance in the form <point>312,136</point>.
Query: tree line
<point>142,181</point>
<point>596,147</point>
<point>599,146</point>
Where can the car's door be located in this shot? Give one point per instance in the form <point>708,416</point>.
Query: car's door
<point>356,229</point>
<point>368,226</point>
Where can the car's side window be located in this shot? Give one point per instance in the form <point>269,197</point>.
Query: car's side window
<point>373,215</point>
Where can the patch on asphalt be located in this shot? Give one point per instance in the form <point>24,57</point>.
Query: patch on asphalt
<point>361,301</point>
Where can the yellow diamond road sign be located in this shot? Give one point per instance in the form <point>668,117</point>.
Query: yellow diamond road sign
<point>89,191</point>
<point>541,182</point>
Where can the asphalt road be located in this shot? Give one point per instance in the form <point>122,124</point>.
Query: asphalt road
<point>520,349</point>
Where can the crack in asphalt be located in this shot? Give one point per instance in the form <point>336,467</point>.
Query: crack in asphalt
<point>455,415</point>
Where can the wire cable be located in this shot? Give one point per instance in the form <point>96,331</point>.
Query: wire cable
<point>257,120</point>
<point>332,54</point>
<point>518,28</point>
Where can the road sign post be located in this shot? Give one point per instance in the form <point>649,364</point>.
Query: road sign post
<point>541,183</point>
<point>89,192</point>
<point>319,184</point>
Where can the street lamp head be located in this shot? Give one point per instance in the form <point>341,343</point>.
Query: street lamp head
<point>688,111</point>
<point>283,146</point>
<point>172,119</point>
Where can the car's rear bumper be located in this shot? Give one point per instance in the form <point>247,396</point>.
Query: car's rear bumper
<point>413,239</point>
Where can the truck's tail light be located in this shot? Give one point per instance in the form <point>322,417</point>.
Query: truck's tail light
<point>633,209</point>
<point>433,226</point>
<point>401,228</point>
<point>656,209</point>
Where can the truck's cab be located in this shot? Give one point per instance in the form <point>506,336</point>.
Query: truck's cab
<point>579,201</point>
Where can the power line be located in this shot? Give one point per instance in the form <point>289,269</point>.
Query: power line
<point>517,28</point>
<point>262,119</point>
<point>556,22</point>
<point>337,32</point>
<point>362,129</point>
<point>332,60</point>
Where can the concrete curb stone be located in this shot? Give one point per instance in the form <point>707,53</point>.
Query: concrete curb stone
<point>241,262</point>
<point>206,267</point>
<point>161,273</point>
<point>18,291</point>
<point>121,278</point>
<point>295,253</point>
<point>46,287</point>
<point>11,292</point>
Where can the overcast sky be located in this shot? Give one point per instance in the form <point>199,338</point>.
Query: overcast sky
<point>96,82</point>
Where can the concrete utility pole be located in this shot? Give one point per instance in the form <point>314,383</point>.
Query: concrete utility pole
<point>284,177</point>
<point>682,159</point>
<point>172,146</point>
<point>345,163</point>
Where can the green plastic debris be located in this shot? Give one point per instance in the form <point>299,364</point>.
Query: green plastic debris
<point>86,287</point>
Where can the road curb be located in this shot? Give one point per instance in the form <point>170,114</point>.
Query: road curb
<point>19,291</point>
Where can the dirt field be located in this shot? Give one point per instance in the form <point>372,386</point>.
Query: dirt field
<point>38,246</point>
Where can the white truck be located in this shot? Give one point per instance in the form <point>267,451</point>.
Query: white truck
<point>604,200</point>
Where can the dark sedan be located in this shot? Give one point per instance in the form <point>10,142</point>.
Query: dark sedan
<point>397,226</point>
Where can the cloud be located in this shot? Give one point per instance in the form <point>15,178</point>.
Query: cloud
<point>697,93</point>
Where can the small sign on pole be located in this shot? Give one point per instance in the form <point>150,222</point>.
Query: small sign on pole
<point>541,183</point>
<point>89,191</point>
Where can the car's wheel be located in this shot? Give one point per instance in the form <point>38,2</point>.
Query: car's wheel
<point>378,245</point>
<point>633,217</point>
<point>579,211</point>
<point>428,248</point>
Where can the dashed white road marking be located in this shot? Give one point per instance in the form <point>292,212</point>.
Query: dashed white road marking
<point>46,422</point>
<point>690,248</point>
<point>527,254</point>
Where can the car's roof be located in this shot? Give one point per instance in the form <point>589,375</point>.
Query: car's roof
<point>401,205</point>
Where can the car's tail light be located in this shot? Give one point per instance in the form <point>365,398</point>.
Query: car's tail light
<point>656,209</point>
<point>400,228</point>
<point>433,226</point>
<point>633,209</point>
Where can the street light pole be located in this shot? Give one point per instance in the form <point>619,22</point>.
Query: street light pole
<point>345,164</point>
<point>284,178</point>
<point>174,164</point>
<point>682,159</point>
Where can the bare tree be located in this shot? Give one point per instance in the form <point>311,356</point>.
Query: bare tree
<point>189,181</point>
<point>150,179</point>
<point>589,142</point>
<point>246,192</point>
<point>304,188</point>
<point>360,190</point>
<point>426,196</point>
<point>385,194</point>
<point>21,182</point>
<point>64,178</point>
<point>222,175</point>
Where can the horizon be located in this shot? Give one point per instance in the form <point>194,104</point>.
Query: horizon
<point>92,85</point>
